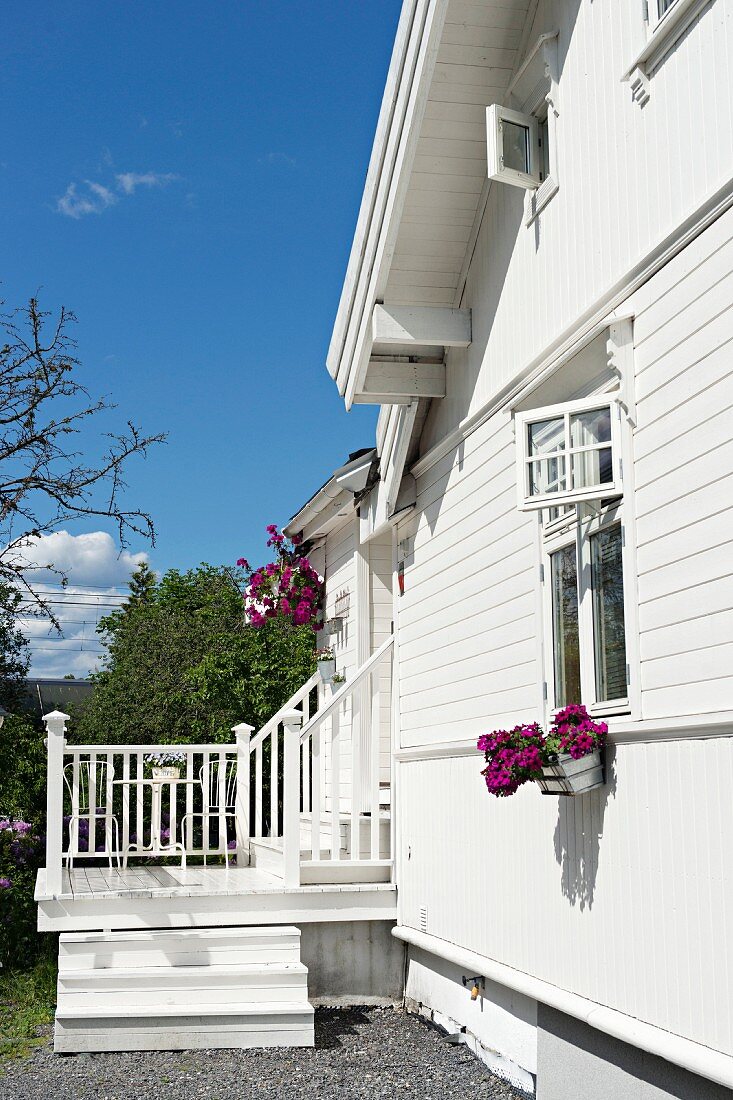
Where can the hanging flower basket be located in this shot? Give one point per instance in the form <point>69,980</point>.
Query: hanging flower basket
<point>568,776</point>
<point>288,589</point>
<point>326,663</point>
<point>569,760</point>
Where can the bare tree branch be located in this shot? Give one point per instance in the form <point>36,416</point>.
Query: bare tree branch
<point>44,482</point>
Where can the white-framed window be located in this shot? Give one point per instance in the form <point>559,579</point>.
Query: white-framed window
<point>657,9</point>
<point>512,143</point>
<point>586,608</point>
<point>568,453</point>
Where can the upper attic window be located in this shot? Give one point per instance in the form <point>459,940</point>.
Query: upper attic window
<point>522,138</point>
<point>513,146</point>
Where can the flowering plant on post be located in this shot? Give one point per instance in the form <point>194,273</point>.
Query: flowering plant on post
<point>513,757</point>
<point>288,588</point>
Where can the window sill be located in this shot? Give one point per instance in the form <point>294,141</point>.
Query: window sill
<point>536,201</point>
<point>661,40</point>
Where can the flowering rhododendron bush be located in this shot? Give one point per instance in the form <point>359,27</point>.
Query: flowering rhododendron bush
<point>288,588</point>
<point>21,854</point>
<point>514,757</point>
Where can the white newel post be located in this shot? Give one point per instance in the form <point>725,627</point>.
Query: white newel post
<point>55,743</point>
<point>292,721</point>
<point>242,733</point>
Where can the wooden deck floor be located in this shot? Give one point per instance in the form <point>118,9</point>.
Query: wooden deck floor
<point>165,882</point>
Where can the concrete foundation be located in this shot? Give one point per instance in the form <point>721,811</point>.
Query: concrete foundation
<point>352,963</point>
<point>575,1060</point>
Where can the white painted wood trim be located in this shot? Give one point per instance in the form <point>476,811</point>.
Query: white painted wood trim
<point>588,325</point>
<point>421,325</point>
<point>621,731</point>
<point>669,28</point>
<point>709,1063</point>
<point>378,252</point>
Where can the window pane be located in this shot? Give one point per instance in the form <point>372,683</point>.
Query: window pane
<point>546,436</point>
<point>608,615</point>
<point>590,427</point>
<point>543,137</point>
<point>547,475</point>
<point>663,6</point>
<point>592,468</point>
<point>515,146</point>
<point>565,626</point>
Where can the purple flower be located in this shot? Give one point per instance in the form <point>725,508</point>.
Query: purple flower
<point>5,883</point>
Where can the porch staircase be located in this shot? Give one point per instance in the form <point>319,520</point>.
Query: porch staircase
<point>182,989</point>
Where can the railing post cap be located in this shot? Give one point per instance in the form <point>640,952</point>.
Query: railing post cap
<point>242,728</point>
<point>56,716</point>
<point>292,717</point>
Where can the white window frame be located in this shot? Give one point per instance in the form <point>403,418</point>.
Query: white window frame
<point>577,531</point>
<point>496,116</point>
<point>527,502</point>
<point>653,16</point>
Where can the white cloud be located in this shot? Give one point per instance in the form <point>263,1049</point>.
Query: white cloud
<point>281,159</point>
<point>98,574</point>
<point>92,558</point>
<point>127,182</point>
<point>90,197</point>
<point>93,200</point>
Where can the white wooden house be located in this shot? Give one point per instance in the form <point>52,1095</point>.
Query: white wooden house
<point>539,299</point>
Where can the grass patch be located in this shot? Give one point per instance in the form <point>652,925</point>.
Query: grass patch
<point>27,1002</point>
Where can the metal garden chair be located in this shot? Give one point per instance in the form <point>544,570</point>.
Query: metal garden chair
<point>92,777</point>
<point>219,793</point>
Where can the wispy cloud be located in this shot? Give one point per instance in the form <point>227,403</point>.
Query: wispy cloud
<point>90,197</point>
<point>93,199</point>
<point>128,182</point>
<point>277,159</point>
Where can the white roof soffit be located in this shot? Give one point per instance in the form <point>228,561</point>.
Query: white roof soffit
<point>422,195</point>
<point>322,512</point>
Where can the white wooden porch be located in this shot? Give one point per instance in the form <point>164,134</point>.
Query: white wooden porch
<point>199,897</point>
<point>301,839</point>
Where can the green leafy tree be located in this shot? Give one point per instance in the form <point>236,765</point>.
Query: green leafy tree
<point>183,666</point>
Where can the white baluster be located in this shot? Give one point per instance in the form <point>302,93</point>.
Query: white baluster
<point>335,781</point>
<point>55,742</point>
<point>258,791</point>
<point>375,731</point>
<point>274,786</point>
<point>316,809</point>
<point>292,723</point>
<point>242,733</point>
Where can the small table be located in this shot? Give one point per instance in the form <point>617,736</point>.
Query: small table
<point>156,841</point>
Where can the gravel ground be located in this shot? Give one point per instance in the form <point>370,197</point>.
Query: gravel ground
<point>360,1054</point>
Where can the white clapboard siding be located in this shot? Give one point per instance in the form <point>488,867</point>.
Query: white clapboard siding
<point>600,895</point>
<point>467,619</point>
<point>550,272</point>
<point>341,577</point>
<point>380,578</point>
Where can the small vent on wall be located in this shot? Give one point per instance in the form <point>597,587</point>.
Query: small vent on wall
<point>423,918</point>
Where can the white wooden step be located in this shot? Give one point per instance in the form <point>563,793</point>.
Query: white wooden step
<point>181,989</point>
<point>178,947</point>
<point>241,1025</point>
<point>221,985</point>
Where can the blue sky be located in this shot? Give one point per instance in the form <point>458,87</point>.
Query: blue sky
<point>186,177</point>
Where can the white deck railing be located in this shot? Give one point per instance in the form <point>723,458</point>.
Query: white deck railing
<point>103,803</point>
<point>266,746</point>
<point>324,801</point>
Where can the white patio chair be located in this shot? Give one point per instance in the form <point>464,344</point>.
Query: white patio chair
<point>213,809</point>
<point>103,774</point>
